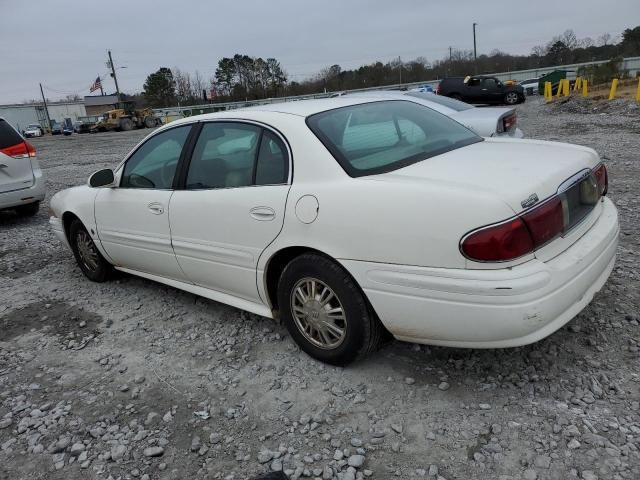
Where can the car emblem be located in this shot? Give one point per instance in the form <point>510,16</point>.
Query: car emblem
<point>530,200</point>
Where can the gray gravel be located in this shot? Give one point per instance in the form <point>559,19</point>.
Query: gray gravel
<point>132,379</point>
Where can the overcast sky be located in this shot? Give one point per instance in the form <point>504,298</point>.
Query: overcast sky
<point>64,43</point>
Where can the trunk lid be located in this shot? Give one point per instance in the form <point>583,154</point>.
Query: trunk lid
<point>516,171</point>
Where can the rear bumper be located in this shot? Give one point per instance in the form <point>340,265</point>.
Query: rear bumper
<point>25,196</point>
<point>491,308</point>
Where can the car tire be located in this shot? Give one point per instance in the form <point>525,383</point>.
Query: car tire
<point>28,210</point>
<point>511,98</point>
<point>87,255</point>
<point>336,326</point>
<point>126,124</point>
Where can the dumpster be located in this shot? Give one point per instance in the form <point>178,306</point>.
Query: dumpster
<point>553,77</point>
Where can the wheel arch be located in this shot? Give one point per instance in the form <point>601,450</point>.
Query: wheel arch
<point>67,219</point>
<point>280,259</point>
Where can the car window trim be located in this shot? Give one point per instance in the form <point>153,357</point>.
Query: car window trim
<point>120,168</point>
<point>263,126</point>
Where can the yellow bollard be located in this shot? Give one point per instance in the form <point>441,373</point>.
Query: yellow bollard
<point>584,88</point>
<point>576,85</point>
<point>638,93</point>
<point>548,91</point>
<point>614,87</point>
<point>567,88</point>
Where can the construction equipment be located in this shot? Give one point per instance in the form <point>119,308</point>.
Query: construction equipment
<point>125,117</point>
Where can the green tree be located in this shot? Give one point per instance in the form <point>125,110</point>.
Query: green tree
<point>630,44</point>
<point>160,88</point>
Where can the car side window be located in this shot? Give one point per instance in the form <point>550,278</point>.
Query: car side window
<point>273,161</point>
<point>154,164</point>
<point>489,83</point>
<point>224,156</point>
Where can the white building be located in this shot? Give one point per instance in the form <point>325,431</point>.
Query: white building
<point>22,115</point>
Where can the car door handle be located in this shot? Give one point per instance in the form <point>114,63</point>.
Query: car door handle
<point>2,165</point>
<point>263,214</point>
<point>156,208</point>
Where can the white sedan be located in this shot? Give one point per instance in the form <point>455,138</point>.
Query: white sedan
<point>349,218</point>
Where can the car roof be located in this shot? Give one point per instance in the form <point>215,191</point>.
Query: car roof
<point>300,108</point>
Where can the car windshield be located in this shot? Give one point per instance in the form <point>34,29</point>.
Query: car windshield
<point>379,137</point>
<point>456,105</point>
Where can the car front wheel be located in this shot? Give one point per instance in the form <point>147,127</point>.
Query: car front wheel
<point>325,312</point>
<point>87,255</point>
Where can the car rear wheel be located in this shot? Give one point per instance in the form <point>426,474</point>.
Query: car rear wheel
<point>87,255</point>
<point>28,210</point>
<point>325,312</point>
<point>511,98</point>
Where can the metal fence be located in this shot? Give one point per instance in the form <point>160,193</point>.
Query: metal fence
<point>630,64</point>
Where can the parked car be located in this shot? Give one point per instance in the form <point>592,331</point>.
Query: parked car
<point>486,122</point>
<point>346,217</point>
<point>33,130</point>
<point>481,90</point>
<point>530,86</point>
<point>56,128</point>
<point>22,183</point>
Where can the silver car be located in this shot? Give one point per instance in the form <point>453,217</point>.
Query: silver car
<point>485,121</point>
<point>22,183</point>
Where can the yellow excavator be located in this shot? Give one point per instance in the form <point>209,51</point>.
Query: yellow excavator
<point>124,117</point>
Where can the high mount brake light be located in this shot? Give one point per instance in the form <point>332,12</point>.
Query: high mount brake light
<point>526,232</point>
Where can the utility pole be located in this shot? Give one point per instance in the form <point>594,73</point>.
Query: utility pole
<point>46,110</point>
<point>475,53</point>
<point>450,53</point>
<point>113,74</point>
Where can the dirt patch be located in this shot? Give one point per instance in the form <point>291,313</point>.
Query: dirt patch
<point>58,318</point>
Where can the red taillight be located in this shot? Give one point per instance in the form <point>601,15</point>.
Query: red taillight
<point>497,243</point>
<point>516,237</point>
<point>545,222</point>
<point>510,122</point>
<point>20,150</point>
<point>602,178</point>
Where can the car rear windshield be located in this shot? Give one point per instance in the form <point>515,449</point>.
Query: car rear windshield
<point>379,137</point>
<point>8,136</point>
<point>456,105</point>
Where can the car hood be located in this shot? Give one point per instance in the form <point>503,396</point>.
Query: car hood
<point>483,121</point>
<point>512,170</point>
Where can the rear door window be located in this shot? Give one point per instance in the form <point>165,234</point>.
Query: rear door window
<point>8,136</point>
<point>224,156</point>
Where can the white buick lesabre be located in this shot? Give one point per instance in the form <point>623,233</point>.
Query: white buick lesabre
<point>350,217</point>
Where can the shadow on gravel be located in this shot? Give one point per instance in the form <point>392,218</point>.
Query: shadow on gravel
<point>54,317</point>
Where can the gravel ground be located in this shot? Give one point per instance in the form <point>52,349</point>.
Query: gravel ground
<point>132,379</point>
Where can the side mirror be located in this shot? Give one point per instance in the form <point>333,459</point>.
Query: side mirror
<point>102,178</point>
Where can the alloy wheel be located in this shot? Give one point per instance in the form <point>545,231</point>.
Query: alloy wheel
<point>318,313</point>
<point>512,98</point>
<point>87,251</point>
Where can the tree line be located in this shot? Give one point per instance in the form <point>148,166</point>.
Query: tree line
<point>242,77</point>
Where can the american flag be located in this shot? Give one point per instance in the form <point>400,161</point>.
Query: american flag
<point>95,85</point>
